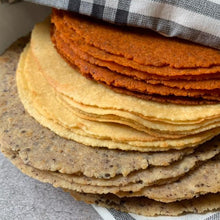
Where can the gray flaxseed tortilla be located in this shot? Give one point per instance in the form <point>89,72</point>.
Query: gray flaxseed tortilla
<point>156,175</point>
<point>203,180</point>
<point>147,207</point>
<point>138,205</point>
<point>190,186</point>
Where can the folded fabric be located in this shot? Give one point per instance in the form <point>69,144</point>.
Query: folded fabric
<point>197,21</point>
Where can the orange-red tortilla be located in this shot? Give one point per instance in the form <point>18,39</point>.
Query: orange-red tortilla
<point>126,85</point>
<point>142,46</point>
<point>62,26</point>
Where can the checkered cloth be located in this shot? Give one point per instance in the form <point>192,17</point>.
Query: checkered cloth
<point>194,20</point>
<point>111,214</point>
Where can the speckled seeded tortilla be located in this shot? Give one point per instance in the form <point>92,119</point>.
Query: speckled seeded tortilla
<point>152,176</point>
<point>35,143</point>
<point>147,207</point>
<point>157,175</point>
<point>139,202</point>
<point>66,181</point>
<point>89,93</point>
<point>39,104</point>
<point>201,181</point>
<point>138,179</point>
<point>141,205</point>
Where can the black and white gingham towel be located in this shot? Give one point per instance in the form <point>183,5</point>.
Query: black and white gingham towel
<point>111,214</point>
<point>194,20</point>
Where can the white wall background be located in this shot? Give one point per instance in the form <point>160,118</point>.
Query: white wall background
<point>17,20</point>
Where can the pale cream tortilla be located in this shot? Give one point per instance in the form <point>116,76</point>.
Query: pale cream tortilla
<point>197,184</point>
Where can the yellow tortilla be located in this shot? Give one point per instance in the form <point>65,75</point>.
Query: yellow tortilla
<point>155,128</point>
<point>40,111</point>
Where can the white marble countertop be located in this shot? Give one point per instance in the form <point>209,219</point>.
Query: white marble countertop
<point>23,198</point>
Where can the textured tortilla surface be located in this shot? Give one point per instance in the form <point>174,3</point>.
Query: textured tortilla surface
<point>148,207</point>
<point>144,48</point>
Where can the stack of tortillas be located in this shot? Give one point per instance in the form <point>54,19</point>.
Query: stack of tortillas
<point>139,151</point>
<point>139,63</point>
